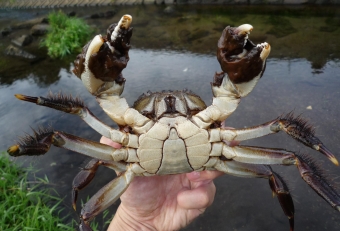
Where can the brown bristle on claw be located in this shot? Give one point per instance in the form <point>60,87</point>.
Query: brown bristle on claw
<point>38,135</point>
<point>317,169</point>
<point>60,98</point>
<point>301,124</point>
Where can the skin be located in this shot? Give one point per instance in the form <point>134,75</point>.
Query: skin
<point>168,202</point>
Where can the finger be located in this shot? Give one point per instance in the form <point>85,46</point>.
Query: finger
<point>105,140</point>
<point>203,175</point>
<point>198,198</point>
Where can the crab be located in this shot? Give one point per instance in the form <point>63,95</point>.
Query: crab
<point>173,132</point>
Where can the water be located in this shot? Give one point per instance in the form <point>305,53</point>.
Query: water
<point>303,71</point>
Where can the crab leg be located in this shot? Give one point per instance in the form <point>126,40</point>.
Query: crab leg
<point>105,197</point>
<point>86,175</point>
<point>296,127</point>
<point>75,106</point>
<point>309,170</point>
<point>277,185</point>
<point>258,155</point>
<point>41,141</point>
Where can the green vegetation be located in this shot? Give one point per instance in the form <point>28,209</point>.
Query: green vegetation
<point>24,208</point>
<point>66,35</point>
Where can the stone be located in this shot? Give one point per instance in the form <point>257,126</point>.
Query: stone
<point>169,10</point>
<point>30,23</point>
<point>15,51</point>
<point>39,29</point>
<point>6,31</point>
<point>23,40</point>
<point>148,2</point>
<point>107,14</point>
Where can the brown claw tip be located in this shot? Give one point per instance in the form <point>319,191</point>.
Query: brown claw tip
<point>74,206</point>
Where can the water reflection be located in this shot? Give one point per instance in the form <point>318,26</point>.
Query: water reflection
<point>294,32</point>
<point>289,83</point>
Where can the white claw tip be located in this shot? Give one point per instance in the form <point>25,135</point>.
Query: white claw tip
<point>244,29</point>
<point>125,21</point>
<point>266,50</point>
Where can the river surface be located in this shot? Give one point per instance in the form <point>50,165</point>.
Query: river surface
<point>176,51</point>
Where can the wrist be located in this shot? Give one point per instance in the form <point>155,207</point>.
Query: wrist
<point>124,221</point>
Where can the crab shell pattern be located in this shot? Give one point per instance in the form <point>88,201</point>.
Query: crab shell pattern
<point>174,132</point>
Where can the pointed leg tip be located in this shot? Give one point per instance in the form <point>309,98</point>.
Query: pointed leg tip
<point>26,98</point>
<point>74,206</point>
<point>321,148</point>
<point>13,150</point>
<point>84,226</point>
<point>20,96</point>
<point>291,223</point>
<point>335,161</point>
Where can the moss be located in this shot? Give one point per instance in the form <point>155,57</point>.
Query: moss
<point>66,35</point>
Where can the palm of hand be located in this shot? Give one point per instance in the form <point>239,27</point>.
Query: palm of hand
<point>164,202</point>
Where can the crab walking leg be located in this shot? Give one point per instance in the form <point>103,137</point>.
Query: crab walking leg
<point>86,175</point>
<point>258,155</point>
<point>105,197</point>
<point>296,127</point>
<point>277,185</point>
<point>312,174</point>
<point>40,143</point>
<point>309,170</point>
<point>75,106</point>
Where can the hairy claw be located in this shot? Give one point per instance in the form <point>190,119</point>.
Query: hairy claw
<point>37,144</point>
<point>318,181</point>
<point>61,102</point>
<point>302,131</point>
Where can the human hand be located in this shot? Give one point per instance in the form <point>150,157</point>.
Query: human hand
<point>166,202</point>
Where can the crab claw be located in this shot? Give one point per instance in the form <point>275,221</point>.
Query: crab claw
<point>302,131</point>
<point>103,58</point>
<point>240,58</point>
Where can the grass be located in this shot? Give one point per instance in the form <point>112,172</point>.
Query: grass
<point>23,208</point>
<point>66,35</point>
